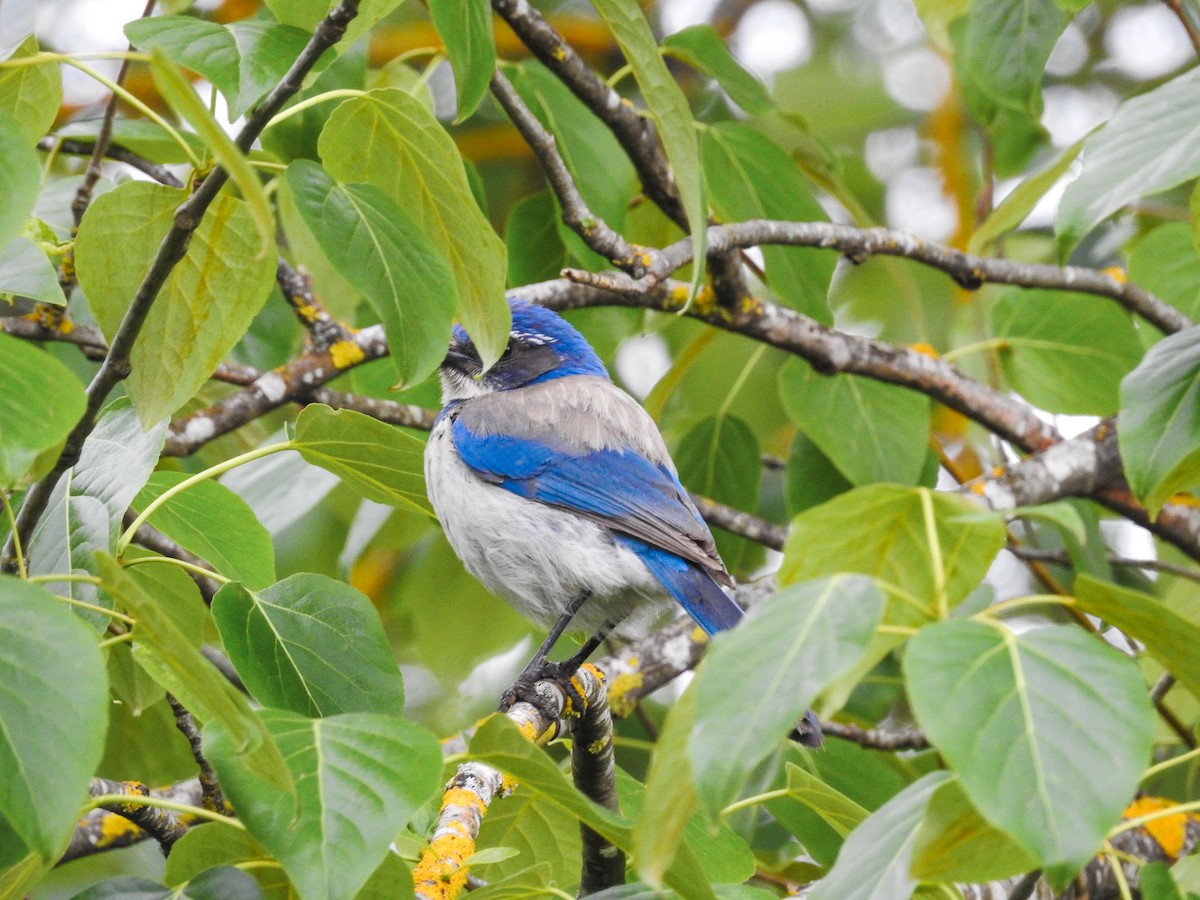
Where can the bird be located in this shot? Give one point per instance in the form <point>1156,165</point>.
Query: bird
<point>556,490</point>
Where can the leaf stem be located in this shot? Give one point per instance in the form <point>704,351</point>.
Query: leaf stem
<point>12,524</point>
<point>125,95</point>
<point>1139,821</point>
<point>754,801</point>
<point>186,566</point>
<point>1034,600</point>
<point>751,363</point>
<point>163,803</point>
<point>76,577</point>
<point>127,536</point>
<point>935,553</point>
<point>123,638</point>
<point>300,107</point>
<point>1168,763</point>
<point>92,607</point>
<point>977,347</point>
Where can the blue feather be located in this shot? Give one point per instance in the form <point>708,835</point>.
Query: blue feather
<point>692,587</point>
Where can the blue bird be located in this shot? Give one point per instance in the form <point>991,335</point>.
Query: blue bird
<point>555,489</point>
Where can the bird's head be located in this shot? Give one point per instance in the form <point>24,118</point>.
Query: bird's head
<point>542,345</point>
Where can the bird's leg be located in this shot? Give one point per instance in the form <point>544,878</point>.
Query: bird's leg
<point>542,669</point>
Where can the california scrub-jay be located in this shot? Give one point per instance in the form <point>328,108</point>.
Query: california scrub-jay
<point>555,489</point>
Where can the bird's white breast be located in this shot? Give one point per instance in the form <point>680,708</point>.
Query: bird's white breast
<point>535,556</point>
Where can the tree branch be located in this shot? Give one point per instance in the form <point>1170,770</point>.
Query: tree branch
<point>860,243</point>
<point>593,769</point>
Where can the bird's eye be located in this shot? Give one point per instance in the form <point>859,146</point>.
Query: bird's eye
<point>508,350</point>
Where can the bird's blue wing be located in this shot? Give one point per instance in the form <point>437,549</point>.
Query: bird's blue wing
<point>640,500</point>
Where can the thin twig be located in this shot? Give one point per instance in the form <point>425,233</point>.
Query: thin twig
<point>1176,6</point>
<point>83,194</point>
<point>214,797</point>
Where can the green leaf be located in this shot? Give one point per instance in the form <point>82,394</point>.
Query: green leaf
<point>1065,353</point>
<point>179,93</point>
<point>218,844</point>
<point>1155,883</point>
<point>719,458</point>
<point>874,862</point>
<point>89,501</point>
<point>27,371</point>
<point>1169,637</point>
<point>174,661</point>
<point>669,109</point>
<point>528,825</point>
<point>721,851</point>
<point>928,549</point>
<point>1016,207</point>
<point>956,843</point>
<point>1165,262</point>
<point>702,48</point>
<point>214,523</point>
<point>380,462</point>
<point>26,272</point>
<point>1148,145</point>
<point>465,27</point>
<point>838,811</point>
<point>751,177</point>
<point>53,714</point>
<point>244,60</point>
<point>757,680</point>
<point>307,14</point>
<point>499,744</point>
<point>870,430</point>
<point>1159,426</point>
<point>290,644</point>
<point>1025,720</point>
<point>225,883</point>
<point>280,488</point>
<point>388,139</point>
<point>536,252</point>
<point>359,777</point>
<point>31,94</point>
<point>385,256</point>
<point>812,478</point>
<point>1001,56</point>
<point>20,177</point>
<point>670,800</point>
<point>602,172</point>
<point>205,305</point>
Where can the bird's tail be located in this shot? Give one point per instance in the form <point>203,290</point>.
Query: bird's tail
<point>693,588</point>
<point>712,609</point>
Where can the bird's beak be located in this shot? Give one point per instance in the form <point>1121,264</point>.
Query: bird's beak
<point>458,359</point>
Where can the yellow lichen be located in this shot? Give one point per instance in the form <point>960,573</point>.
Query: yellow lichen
<point>924,349</point>
<point>440,875</point>
<point>345,354</point>
<point>462,797</point>
<point>1169,832</point>
<point>308,312</point>
<point>1116,273</point>
<point>114,829</point>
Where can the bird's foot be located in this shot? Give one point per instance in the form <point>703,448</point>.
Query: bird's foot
<point>524,689</point>
<point>808,732</point>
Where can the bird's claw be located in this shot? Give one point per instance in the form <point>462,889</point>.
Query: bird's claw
<point>525,688</point>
